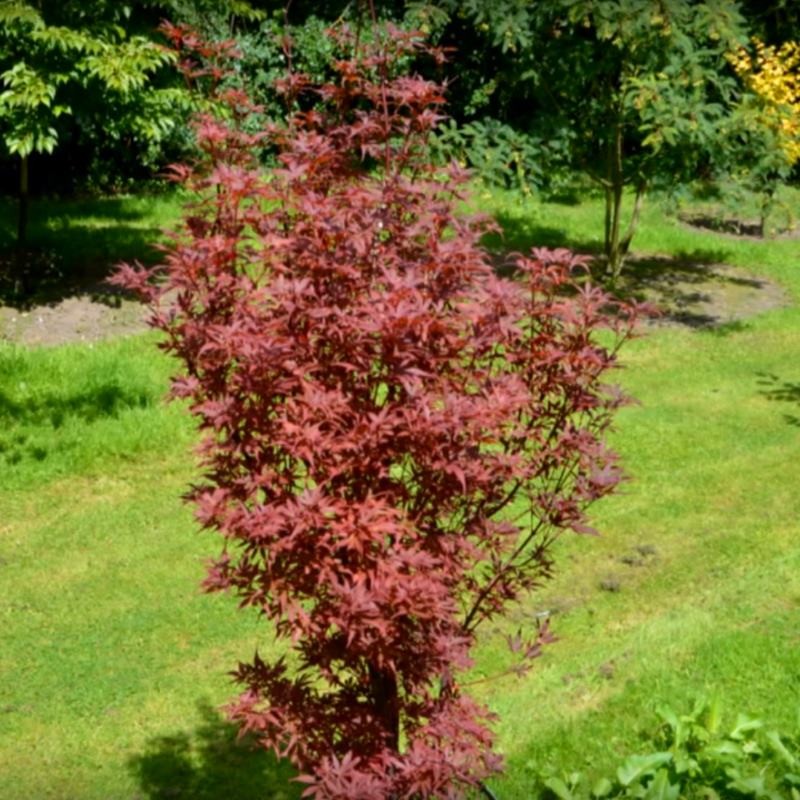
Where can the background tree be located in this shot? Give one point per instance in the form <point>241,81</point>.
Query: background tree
<point>764,132</point>
<point>639,91</point>
<point>52,70</point>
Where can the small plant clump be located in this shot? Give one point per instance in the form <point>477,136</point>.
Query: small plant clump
<point>697,759</point>
<point>394,434</point>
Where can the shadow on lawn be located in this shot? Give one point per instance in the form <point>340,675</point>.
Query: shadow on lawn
<point>210,764</point>
<point>773,388</point>
<point>67,255</point>
<point>54,410</point>
<point>519,235</point>
<point>691,288</point>
<point>105,400</point>
<point>684,287</point>
<point>698,290</point>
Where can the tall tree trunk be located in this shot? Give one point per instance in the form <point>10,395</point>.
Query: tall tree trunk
<point>765,208</point>
<point>24,204</point>
<point>614,204</point>
<point>616,245</point>
<point>19,263</point>
<point>633,224</point>
<point>609,194</point>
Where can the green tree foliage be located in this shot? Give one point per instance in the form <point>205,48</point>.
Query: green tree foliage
<point>638,90</point>
<point>63,61</point>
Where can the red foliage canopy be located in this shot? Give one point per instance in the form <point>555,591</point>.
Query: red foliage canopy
<point>395,435</point>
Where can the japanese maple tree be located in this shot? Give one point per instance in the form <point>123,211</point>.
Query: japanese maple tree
<point>395,435</point>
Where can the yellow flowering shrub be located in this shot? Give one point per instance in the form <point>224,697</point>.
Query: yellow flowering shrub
<point>773,74</point>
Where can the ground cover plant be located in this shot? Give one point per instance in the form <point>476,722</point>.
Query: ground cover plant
<point>693,756</point>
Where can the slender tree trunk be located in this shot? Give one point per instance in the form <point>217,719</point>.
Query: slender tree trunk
<point>767,198</point>
<point>614,204</point>
<point>383,687</point>
<point>24,204</point>
<point>633,224</point>
<point>609,197</point>
<point>616,245</point>
<point>19,276</point>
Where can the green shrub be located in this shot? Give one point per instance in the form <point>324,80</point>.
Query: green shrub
<point>502,155</point>
<point>694,757</point>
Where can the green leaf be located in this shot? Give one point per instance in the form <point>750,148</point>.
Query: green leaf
<point>559,789</point>
<point>661,789</point>
<point>744,725</point>
<point>636,767</point>
<point>752,786</point>
<point>752,748</point>
<point>17,12</point>
<point>602,788</point>
<point>780,748</point>
<point>723,749</point>
<point>686,765</point>
<point>712,716</point>
<point>669,717</point>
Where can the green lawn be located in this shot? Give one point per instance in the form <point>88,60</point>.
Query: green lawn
<point>112,664</point>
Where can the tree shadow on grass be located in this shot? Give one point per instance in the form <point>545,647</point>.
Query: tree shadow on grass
<point>692,288</point>
<point>697,289</point>
<point>520,234</point>
<point>209,763</point>
<point>50,271</point>
<point>72,252</point>
<point>53,408</point>
<point>773,388</point>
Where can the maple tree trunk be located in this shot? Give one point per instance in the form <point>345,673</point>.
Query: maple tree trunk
<point>383,688</point>
<point>614,204</point>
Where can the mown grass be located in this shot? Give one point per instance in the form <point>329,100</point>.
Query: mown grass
<point>112,661</point>
<point>712,607</point>
<point>99,230</point>
<point>113,664</point>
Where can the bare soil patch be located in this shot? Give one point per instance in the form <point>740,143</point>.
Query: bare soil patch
<point>689,293</point>
<point>83,317</point>
<point>700,294</point>
<point>735,227</point>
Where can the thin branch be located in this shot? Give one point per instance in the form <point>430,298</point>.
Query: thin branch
<point>487,792</point>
